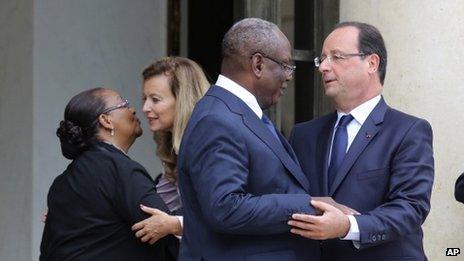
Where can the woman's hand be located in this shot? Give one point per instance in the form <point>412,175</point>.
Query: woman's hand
<point>157,226</point>
<point>44,215</point>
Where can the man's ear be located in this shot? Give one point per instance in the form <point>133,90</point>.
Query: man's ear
<point>105,121</point>
<point>374,63</point>
<point>257,65</point>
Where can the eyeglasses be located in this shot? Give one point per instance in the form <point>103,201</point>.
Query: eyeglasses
<point>123,104</point>
<point>288,68</point>
<point>335,58</point>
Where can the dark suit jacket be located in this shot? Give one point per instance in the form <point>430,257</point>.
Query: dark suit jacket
<point>239,186</point>
<point>387,175</point>
<point>93,205</point>
<point>459,189</point>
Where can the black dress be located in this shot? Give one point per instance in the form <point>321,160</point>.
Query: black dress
<point>94,203</point>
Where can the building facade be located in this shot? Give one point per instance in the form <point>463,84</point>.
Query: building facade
<point>51,50</point>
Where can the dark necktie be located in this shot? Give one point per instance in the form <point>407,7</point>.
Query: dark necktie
<point>339,145</point>
<point>270,126</point>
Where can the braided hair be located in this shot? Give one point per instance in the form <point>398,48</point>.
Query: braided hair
<point>80,125</point>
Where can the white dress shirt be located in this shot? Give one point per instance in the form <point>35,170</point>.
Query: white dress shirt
<point>242,93</point>
<point>360,115</point>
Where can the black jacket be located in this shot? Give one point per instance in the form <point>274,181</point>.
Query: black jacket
<point>93,205</point>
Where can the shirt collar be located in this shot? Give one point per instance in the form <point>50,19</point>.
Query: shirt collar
<point>116,147</point>
<point>361,112</point>
<point>243,94</point>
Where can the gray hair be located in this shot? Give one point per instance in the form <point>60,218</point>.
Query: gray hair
<point>249,36</point>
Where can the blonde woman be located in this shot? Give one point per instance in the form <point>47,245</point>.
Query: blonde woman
<point>171,88</point>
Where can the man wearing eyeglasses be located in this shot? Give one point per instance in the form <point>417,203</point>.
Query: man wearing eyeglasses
<point>366,155</point>
<point>239,178</point>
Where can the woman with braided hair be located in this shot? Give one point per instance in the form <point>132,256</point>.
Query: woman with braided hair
<point>95,201</point>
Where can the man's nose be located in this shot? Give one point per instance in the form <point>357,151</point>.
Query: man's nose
<point>324,65</point>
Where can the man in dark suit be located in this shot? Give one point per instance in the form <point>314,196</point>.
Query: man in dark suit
<point>365,155</point>
<point>239,178</point>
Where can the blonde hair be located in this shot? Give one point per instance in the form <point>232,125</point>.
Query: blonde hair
<point>188,84</point>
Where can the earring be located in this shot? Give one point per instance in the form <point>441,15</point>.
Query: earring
<point>112,132</point>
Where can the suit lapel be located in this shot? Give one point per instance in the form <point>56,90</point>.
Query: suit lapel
<point>322,154</point>
<point>288,148</point>
<point>367,133</point>
<point>260,130</point>
<point>252,122</point>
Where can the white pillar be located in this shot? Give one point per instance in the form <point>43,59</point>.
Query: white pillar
<point>50,51</point>
<point>425,78</point>
<point>16,101</point>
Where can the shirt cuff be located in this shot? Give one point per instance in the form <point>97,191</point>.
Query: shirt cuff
<point>181,220</point>
<point>353,233</point>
